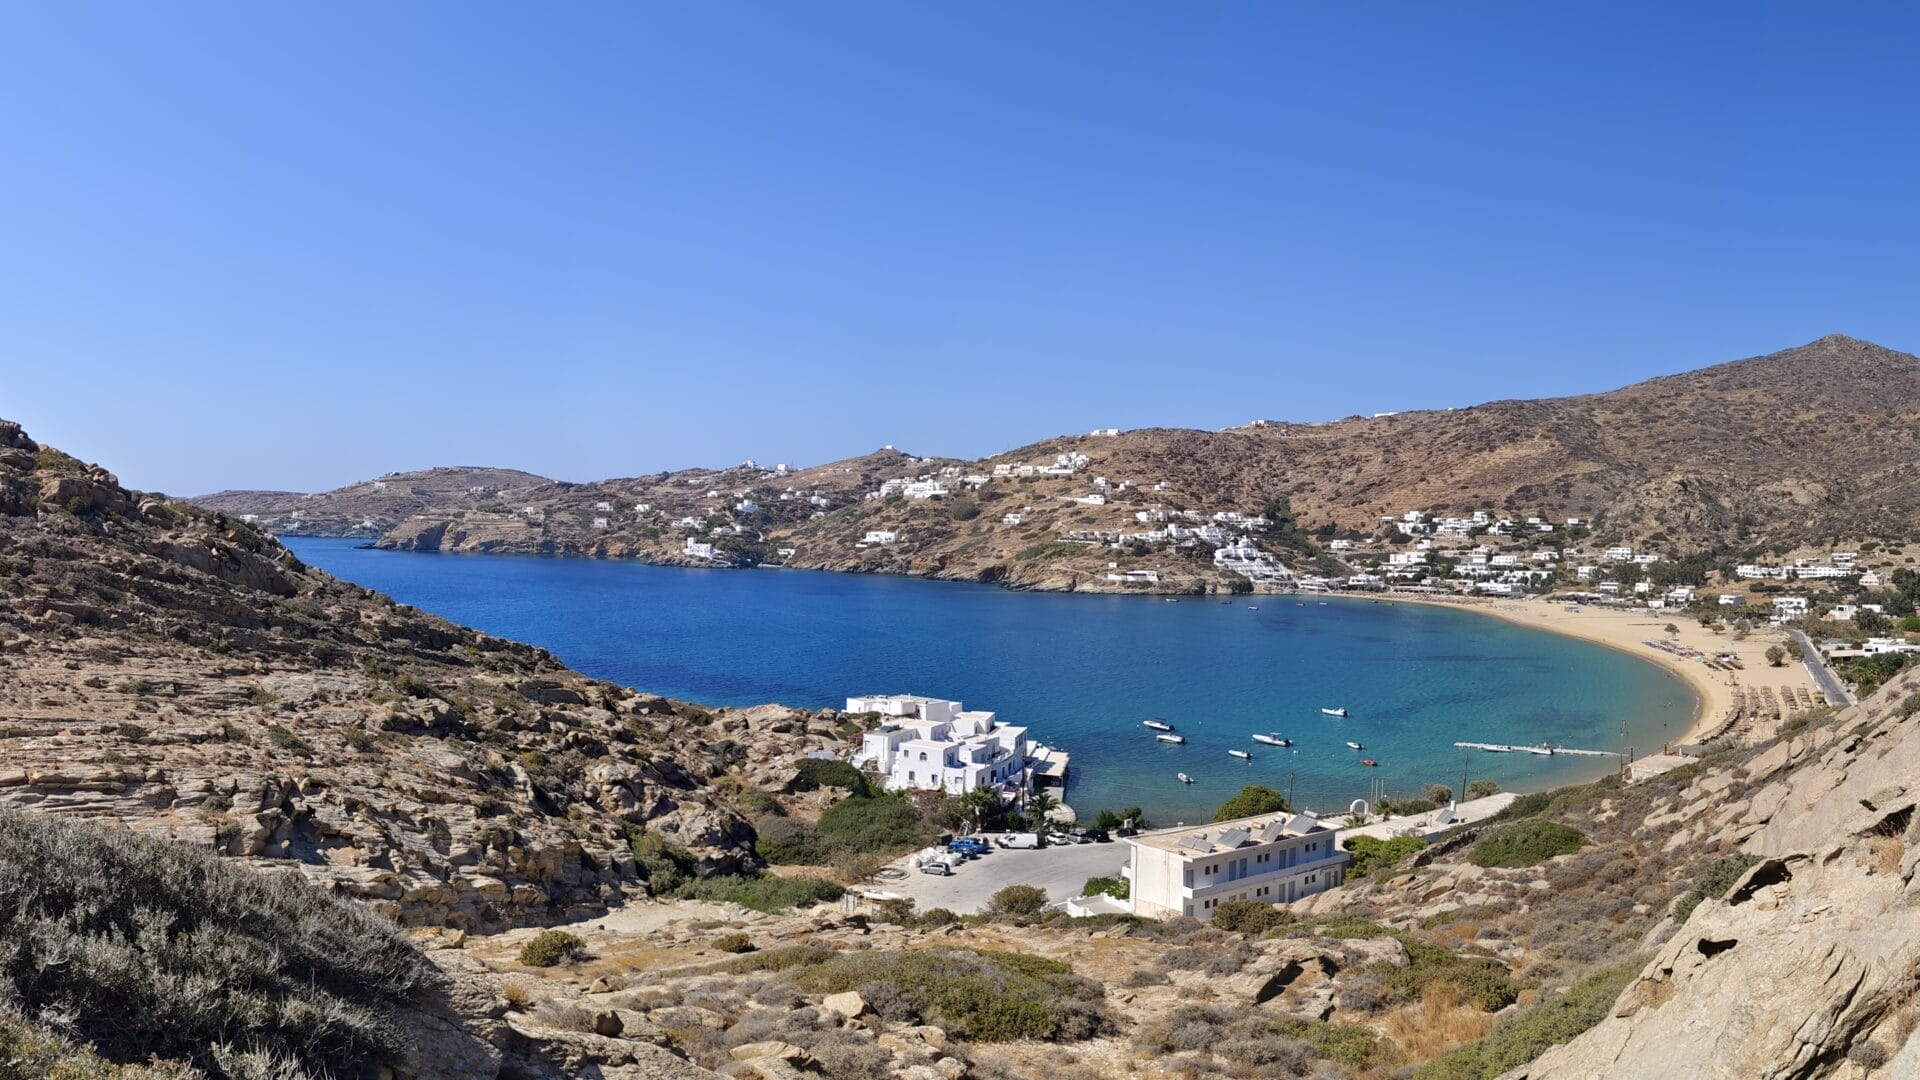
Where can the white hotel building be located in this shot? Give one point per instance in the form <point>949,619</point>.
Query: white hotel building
<point>1269,859</point>
<point>929,744</point>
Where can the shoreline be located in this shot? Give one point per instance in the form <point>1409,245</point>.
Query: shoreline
<point>1626,631</point>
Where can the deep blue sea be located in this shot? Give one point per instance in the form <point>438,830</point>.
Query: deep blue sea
<point>1081,671</point>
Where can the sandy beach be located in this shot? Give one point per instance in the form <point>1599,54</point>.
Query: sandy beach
<point>1629,630</point>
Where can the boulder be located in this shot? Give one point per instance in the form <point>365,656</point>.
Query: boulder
<point>846,1006</point>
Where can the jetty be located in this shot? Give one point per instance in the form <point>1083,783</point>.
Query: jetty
<point>1504,748</point>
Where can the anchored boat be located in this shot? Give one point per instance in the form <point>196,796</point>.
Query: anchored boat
<point>1355,746</point>
<point>1157,725</point>
<point>1272,740</point>
<point>1241,754</point>
<point>1368,761</point>
<point>1341,712</point>
<point>1184,778</point>
<point>1171,738</point>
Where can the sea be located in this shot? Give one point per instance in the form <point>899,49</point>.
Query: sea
<point>1083,671</point>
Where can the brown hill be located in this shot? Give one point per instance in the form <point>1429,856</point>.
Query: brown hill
<point>1803,446</point>
<point>172,668</point>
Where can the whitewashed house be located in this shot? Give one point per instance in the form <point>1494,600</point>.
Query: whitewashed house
<point>931,744</point>
<point>1269,859</point>
<point>698,549</point>
<point>880,536</point>
<point>1011,519</point>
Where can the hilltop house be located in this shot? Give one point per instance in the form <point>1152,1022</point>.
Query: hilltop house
<point>1269,858</point>
<point>698,550</point>
<point>930,744</point>
<point>880,536</point>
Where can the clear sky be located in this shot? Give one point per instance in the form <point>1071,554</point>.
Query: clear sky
<point>296,245</point>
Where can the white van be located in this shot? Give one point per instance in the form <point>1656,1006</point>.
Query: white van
<point>1021,840</point>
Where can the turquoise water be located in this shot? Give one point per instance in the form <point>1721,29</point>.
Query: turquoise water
<point>1081,671</point>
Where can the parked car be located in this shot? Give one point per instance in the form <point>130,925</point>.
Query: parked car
<point>1070,838</point>
<point>968,847</point>
<point>1099,836</point>
<point>1022,840</point>
<point>936,868</point>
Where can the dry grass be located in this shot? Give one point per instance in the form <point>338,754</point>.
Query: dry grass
<point>1884,853</point>
<point>1441,1021</point>
<point>517,994</point>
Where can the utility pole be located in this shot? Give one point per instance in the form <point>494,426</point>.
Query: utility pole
<point>1464,758</point>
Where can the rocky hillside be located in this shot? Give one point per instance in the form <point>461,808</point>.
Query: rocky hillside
<point>176,670</point>
<point>1808,445</point>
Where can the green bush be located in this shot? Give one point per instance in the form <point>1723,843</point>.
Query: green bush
<point>1253,799</point>
<point>1017,900</point>
<point>147,949</point>
<point>1526,1035</point>
<point>762,892</point>
<point>1713,883</point>
<point>552,947</point>
<point>790,842</point>
<point>883,823</point>
<point>980,996</point>
<point>816,773</point>
<point>1371,853</point>
<point>1480,789</point>
<point>1526,843</point>
<point>1249,916</point>
<point>664,866</point>
<point>1116,887</point>
<point>733,943</point>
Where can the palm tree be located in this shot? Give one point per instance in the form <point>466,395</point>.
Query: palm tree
<point>1039,805</point>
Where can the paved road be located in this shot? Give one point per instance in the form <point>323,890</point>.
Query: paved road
<point>1061,870</point>
<point>1830,683</point>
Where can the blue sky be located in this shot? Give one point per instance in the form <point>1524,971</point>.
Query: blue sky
<point>296,245</point>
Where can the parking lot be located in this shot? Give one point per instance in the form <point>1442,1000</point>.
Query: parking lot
<point>1061,870</point>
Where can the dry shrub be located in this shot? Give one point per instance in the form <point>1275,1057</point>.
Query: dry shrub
<point>517,994</point>
<point>563,1016</point>
<point>1440,1021</point>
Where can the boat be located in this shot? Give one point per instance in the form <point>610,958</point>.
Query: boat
<point>1355,745</point>
<point>1157,725</point>
<point>1171,738</point>
<point>1341,712</point>
<point>1184,778</point>
<point>1272,740</point>
<point>1368,761</point>
<point>1241,754</point>
<point>1544,749</point>
<point>1253,607</point>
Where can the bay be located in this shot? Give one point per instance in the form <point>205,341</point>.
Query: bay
<point>1082,671</point>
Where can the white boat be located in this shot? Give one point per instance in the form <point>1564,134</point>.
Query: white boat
<point>1544,749</point>
<point>1157,725</point>
<point>1272,740</point>
<point>1241,754</point>
<point>1184,778</point>
<point>1171,738</point>
<point>1335,712</point>
<point>1356,746</point>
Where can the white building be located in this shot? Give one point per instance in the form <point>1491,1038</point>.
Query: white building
<point>698,550</point>
<point>1106,431</point>
<point>880,536</point>
<point>1135,577</point>
<point>1011,519</point>
<point>929,744</point>
<point>1271,859</point>
<point>1618,554</point>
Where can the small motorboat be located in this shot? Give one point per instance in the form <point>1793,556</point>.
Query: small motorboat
<point>1272,740</point>
<point>1253,607</point>
<point>1354,746</point>
<point>1544,749</point>
<point>1241,754</point>
<point>1171,738</point>
<point>1368,761</point>
<point>1184,778</point>
<point>1340,712</point>
<point>1157,725</point>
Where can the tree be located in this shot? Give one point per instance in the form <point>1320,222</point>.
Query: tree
<point>1480,789</point>
<point>1017,900</point>
<point>1437,793</point>
<point>982,809</point>
<point>1116,887</point>
<point>1113,819</point>
<point>1776,656</point>
<point>1038,807</point>
<point>1672,629</point>
<point>1253,799</point>
<point>1794,650</point>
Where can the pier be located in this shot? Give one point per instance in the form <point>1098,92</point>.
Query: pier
<point>1503,748</point>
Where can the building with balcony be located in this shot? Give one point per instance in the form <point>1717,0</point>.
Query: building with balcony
<point>930,744</point>
<point>1269,859</point>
